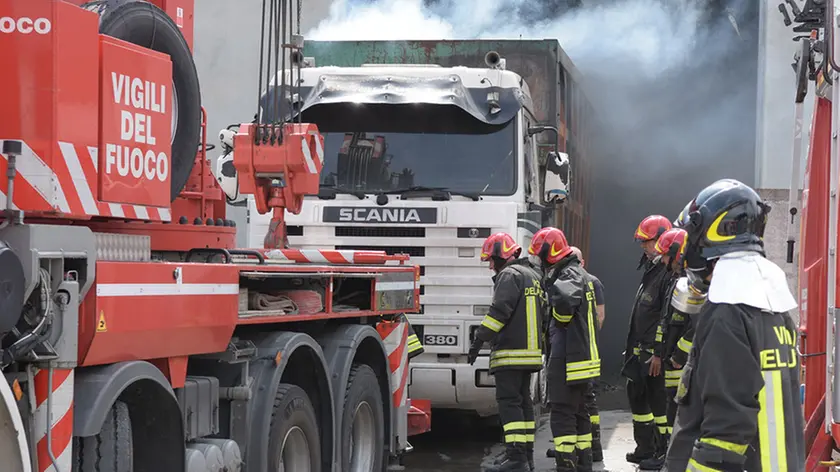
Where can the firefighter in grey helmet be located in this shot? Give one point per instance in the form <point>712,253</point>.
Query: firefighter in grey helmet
<point>738,397</point>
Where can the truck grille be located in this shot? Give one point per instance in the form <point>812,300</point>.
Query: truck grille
<point>380,232</point>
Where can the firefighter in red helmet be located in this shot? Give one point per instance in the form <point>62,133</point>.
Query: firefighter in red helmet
<point>673,324</point>
<point>512,328</point>
<point>643,350</point>
<point>573,359</point>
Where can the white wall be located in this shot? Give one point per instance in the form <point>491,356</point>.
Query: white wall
<point>227,50</point>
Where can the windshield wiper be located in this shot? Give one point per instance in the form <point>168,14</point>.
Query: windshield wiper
<point>438,193</point>
<point>328,192</point>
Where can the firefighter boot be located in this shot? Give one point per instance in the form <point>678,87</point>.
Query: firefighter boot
<point>565,461</point>
<point>658,460</point>
<point>584,460</point>
<point>597,451</point>
<point>645,436</point>
<point>514,460</point>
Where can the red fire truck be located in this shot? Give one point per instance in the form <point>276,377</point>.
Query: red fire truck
<point>134,336</point>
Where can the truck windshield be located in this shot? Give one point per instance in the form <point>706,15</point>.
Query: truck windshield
<point>393,148</point>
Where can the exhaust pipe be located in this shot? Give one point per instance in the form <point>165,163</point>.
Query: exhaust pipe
<point>494,60</point>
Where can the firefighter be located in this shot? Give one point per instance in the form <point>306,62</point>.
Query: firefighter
<point>643,350</point>
<point>592,392</point>
<point>512,328</point>
<point>669,247</point>
<point>739,403</point>
<point>573,359</point>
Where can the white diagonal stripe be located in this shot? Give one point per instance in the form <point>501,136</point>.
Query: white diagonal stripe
<point>141,212</point>
<point>319,150</point>
<point>38,174</point>
<point>307,156</point>
<point>78,176</point>
<point>116,209</point>
<point>94,156</point>
<point>164,214</point>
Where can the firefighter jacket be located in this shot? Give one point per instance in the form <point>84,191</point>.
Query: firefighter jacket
<point>512,326</point>
<point>739,403</point>
<point>571,302</point>
<point>644,338</point>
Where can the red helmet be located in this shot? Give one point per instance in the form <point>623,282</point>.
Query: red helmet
<point>550,245</point>
<point>652,228</point>
<point>672,242</point>
<point>499,245</point>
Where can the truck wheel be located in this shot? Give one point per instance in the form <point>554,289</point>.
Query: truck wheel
<point>363,423</point>
<point>146,25</point>
<point>111,450</point>
<point>294,438</point>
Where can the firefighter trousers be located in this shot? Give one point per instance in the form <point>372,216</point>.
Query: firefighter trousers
<point>516,409</point>
<point>591,404</point>
<point>650,422</point>
<point>569,419</point>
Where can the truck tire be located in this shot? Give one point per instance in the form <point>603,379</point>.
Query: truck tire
<point>146,25</point>
<point>363,422</point>
<point>112,450</point>
<point>294,437</point>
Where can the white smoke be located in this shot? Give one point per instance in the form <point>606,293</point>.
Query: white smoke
<point>650,35</point>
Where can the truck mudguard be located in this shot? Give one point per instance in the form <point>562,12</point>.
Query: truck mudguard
<point>267,373</point>
<point>341,347</point>
<point>97,388</point>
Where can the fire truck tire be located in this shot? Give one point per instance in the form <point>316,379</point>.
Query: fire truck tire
<point>112,449</point>
<point>294,438</point>
<point>363,422</point>
<point>144,24</point>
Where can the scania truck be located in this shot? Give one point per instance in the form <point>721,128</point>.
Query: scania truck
<point>430,147</point>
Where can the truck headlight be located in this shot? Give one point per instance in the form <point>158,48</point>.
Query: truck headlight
<point>481,310</point>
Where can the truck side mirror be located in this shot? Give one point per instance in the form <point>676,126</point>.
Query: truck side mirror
<point>541,129</point>
<point>556,185</point>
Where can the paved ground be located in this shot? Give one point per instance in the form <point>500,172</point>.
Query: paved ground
<point>463,445</point>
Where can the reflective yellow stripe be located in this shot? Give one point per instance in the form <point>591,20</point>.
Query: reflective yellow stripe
<point>516,353</point>
<point>729,446</point>
<point>561,318</point>
<point>529,438</point>
<point>514,425</point>
<point>580,365</point>
<point>662,429</point>
<point>582,375</point>
<point>531,316</point>
<point>530,424</point>
<point>595,419</point>
<point>672,383</point>
<point>684,345</point>
<point>565,443</point>
<point>512,362</point>
<point>658,337</point>
<point>694,466</point>
<point>771,423</point>
<point>515,438</point>
<point>492,324</point>
<point>660,419</point>
<point>648,418</point>
<point>590,320</point>
<point>673,374</point>
<point>584,437</point>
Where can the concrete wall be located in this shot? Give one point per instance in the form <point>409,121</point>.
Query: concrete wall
<point>227,55</point>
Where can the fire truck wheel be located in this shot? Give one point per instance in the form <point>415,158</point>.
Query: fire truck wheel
<point>363,423</point>
<point>294,438</point>
<point>111,450</point>
<point>146,25</point>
